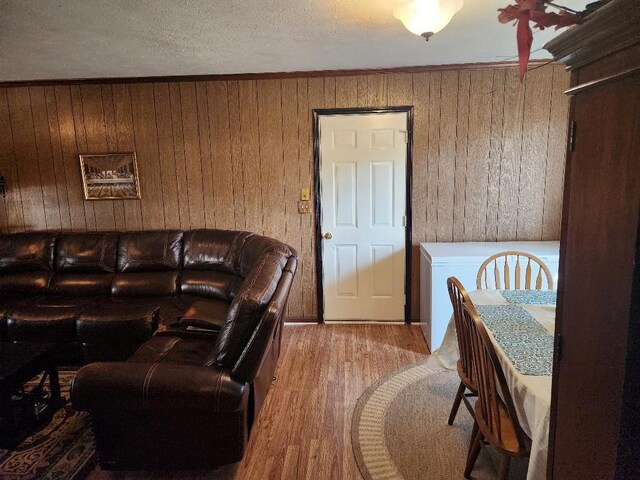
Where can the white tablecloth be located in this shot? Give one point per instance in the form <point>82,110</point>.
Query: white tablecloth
<point>531,394</point>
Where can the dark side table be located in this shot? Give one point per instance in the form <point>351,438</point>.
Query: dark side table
<point>22,412</point>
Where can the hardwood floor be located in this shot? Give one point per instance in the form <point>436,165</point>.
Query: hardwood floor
<point>304,429</point>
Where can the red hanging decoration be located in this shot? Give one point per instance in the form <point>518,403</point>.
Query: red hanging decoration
<point>526,11</point>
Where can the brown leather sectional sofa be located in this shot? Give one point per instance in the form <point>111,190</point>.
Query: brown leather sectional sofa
<point>187,397</point>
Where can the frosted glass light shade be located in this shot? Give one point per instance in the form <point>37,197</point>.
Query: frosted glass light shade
<point>426,17</point>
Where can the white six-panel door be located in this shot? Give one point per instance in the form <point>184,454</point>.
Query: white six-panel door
<point>363,191</point>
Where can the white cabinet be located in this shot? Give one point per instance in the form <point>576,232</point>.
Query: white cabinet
<point>439,261</point>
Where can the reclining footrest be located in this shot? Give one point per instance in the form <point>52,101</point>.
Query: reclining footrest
<point>112,334</point>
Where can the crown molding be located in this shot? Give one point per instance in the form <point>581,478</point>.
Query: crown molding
<point>271,75</point>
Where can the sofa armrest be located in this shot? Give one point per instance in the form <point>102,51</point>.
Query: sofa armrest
<point>130,386</point>
<point>257,347</point>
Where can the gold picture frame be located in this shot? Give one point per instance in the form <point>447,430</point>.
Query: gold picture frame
<point>110,176</point>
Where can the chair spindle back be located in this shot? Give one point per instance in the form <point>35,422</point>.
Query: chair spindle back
<point>489,273</point>
<point>458,295</point>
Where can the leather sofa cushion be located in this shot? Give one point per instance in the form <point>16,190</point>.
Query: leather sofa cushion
<point>213,249</point>
<point>116,323</point>
<point>175,349</point>
<point>62,301</point>
<point>211,284</point>
<point>171,307</point>
<point>149,251</point>
<point>144,284</point>
<point>26,283</point>
<point>6,307</point>
<point>87,253</point>
<point>81,284</point>
<point>257,247</point>
<point>42,324</point>
<point>246,309</point>
<point>26,252</point>
<point>208,314</point>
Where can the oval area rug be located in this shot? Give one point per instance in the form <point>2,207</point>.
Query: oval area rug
<point>400,430</point>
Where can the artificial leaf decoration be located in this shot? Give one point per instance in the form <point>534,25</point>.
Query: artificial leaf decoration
<point>526,11</point>
<point>525,40</point>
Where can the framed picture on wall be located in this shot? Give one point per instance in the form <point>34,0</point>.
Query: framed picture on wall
<point>110,176</point>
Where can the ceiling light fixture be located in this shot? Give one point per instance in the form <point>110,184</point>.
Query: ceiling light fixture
<point>427,17</point>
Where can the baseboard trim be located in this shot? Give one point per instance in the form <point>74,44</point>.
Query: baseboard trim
<point>300,319</point>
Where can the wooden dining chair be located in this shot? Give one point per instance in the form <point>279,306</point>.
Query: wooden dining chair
<point>489,272</point>
<point>458,295</point>
<point>495,414</point>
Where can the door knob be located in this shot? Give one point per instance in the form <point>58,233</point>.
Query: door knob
<point>328,236</point>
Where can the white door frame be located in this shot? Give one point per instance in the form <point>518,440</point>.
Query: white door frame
<point>318,207</point>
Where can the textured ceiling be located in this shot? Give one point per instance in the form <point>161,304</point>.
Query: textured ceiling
<point>56,39</point>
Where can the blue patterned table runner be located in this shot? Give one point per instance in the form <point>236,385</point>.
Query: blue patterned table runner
<point>530,297</point>
<point>526,343</point>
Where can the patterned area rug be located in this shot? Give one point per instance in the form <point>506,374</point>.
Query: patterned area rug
<point>400,430</point>
<point>61,450</point>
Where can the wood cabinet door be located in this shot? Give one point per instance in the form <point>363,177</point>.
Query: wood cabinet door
<point>598,249</point>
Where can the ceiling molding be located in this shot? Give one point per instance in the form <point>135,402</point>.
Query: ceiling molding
<point>275,75</point>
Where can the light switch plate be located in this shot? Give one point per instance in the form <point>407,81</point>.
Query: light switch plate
<point>304,194</point>
<point>304,206</point>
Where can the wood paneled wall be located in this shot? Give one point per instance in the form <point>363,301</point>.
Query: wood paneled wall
<point>488,159</point>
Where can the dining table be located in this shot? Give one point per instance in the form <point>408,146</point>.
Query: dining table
<point>521,325</point>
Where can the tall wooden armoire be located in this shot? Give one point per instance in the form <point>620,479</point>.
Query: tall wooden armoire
<point>595,410</point>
